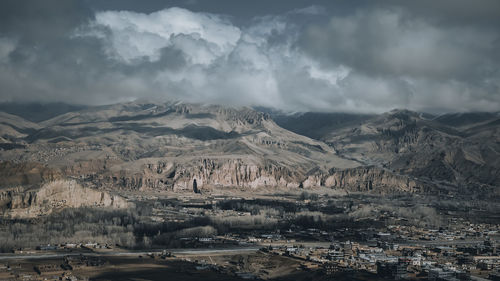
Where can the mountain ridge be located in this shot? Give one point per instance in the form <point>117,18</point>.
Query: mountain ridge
<point>462,151</point>
<point>168,146</point>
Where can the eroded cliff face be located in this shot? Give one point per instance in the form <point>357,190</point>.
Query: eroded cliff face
<point>53,196</point>
<point>211,173</point>
<point>179,176</point>
<point>368,179</point>
<point>235,173</point>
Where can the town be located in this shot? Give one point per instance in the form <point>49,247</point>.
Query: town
<point>329,235</point>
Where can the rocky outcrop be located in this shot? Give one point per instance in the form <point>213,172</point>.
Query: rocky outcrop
<point>212,173</point>
<point>234,173</point>
<point>208,172</point>
<point>21,203</point>
<point>374,179</point>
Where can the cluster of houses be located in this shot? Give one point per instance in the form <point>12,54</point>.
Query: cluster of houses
<point>400,262</point>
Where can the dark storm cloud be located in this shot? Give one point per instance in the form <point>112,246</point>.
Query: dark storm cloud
<point>382,42</point>
<point>362,56</point>
<point>444,56</point>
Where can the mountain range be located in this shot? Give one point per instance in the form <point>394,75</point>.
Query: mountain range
<point>170,146</point>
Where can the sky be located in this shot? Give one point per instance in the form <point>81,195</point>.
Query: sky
<point>434,56</point>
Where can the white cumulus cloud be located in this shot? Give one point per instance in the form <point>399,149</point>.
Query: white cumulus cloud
<point>223,63</point>
<point>131,36</point>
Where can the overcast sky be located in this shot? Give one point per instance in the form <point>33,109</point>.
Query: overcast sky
<point>295,55</point>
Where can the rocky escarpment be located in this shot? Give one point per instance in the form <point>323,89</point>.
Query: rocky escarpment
<point>368,179</point>
<point>248,173</point>
<point>236,172</point>
<point>22,203</point>
<point>179,175</point>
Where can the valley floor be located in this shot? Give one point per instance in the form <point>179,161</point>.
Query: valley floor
<point>278,235</point>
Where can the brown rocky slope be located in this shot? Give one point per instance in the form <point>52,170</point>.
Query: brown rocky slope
<point>169,146</point>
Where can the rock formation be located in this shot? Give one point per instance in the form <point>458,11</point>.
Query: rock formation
<point>52,196</point>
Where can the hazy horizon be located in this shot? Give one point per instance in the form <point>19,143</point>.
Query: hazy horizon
<point>13,107</point>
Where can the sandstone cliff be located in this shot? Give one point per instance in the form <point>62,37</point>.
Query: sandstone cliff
<point>22,203</point>
<point>210,173</point>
